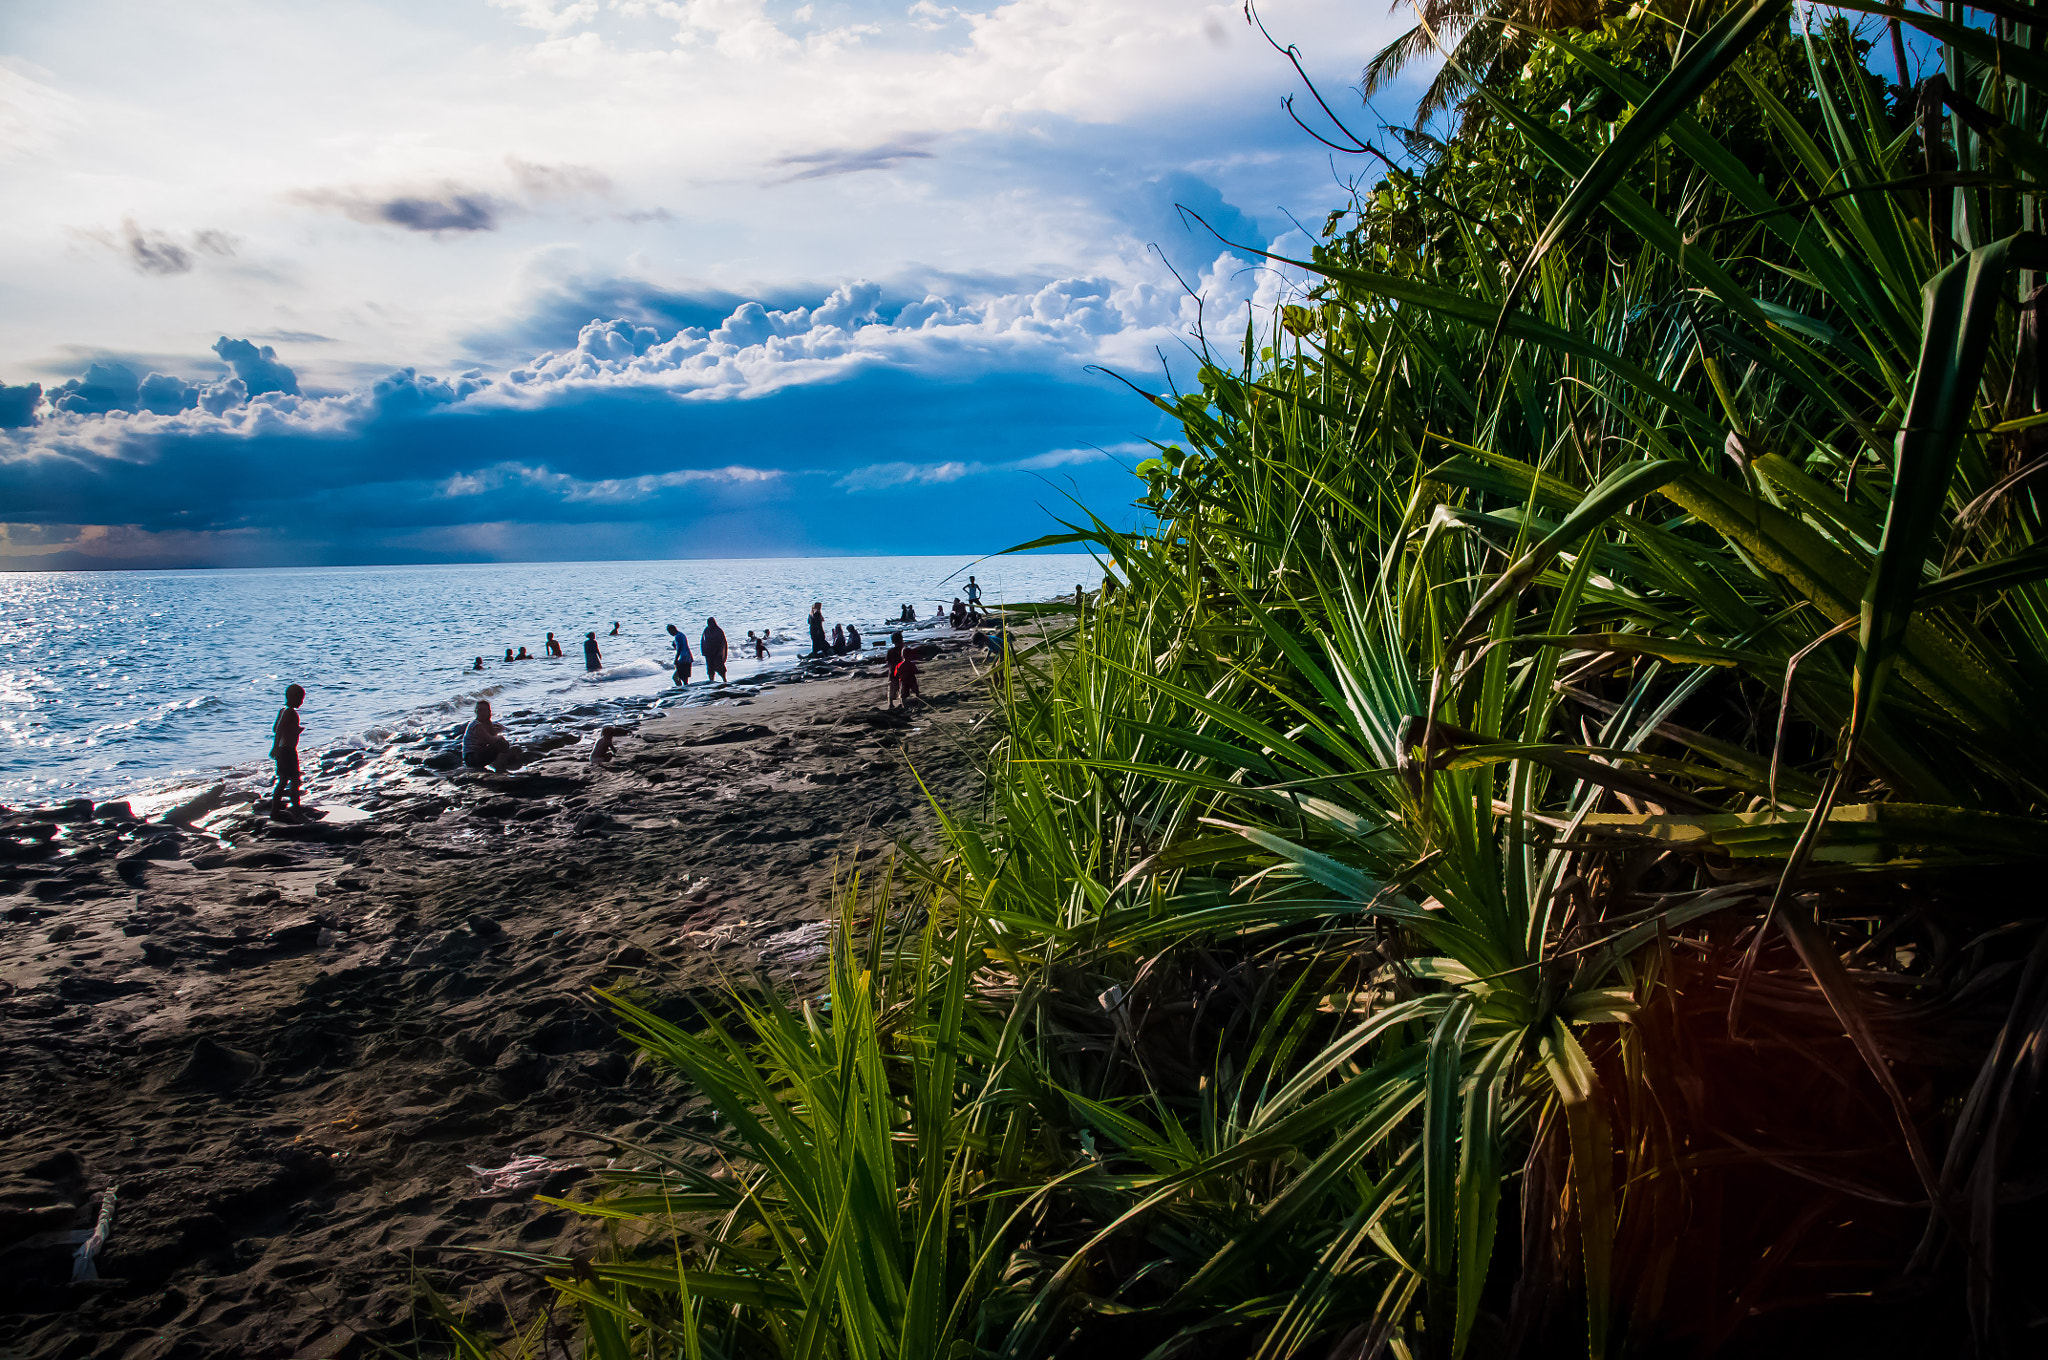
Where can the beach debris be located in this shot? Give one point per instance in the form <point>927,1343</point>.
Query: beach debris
<point>82,1268</point>
<point>527,1172</point>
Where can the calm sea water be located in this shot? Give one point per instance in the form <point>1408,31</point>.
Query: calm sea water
<point>120,683</point>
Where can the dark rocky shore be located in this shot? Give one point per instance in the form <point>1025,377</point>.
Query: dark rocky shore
<point>284,1048</point>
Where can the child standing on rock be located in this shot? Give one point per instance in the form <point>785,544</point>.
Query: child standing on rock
<point>284,749</point>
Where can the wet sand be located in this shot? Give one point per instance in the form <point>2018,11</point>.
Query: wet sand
<point>286,1047</point>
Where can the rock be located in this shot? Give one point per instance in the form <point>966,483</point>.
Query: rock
<point>77,810</point>
<point>484,926</point>
<point>448,759</point>
<point>212,1066</point>
<point>192,809</point>
<point>120,811</point>
<point>293,934</point>
<point>263,857</point>
<point>63,932</point>
<point>156,955</point>
<point>728,733</point>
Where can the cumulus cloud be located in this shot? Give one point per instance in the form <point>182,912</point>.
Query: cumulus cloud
<point>256,366</point>
<point>18,405</point>
<point>754,351</point>
<point>890,475</point>
<point>448,208</point>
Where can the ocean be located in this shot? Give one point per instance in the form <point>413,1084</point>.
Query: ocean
<point>132,684</point>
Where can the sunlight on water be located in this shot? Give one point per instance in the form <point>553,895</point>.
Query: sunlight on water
<point>112,682</point>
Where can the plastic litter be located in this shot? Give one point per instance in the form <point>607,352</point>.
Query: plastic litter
<point>82,1268</point>
<point>521,1173</point>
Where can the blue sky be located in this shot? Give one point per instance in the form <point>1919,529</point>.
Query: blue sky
<point>571,279</point>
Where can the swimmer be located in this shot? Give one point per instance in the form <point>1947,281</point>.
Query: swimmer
<point>615,628</point>
<point>522,655</point>
<point>284,749</point>
<point>508,653</point>
<point>593,660</point>
<point>479,664</point>
<point>554,648</point>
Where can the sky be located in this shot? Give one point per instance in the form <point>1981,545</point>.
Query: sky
<point>331,283</point>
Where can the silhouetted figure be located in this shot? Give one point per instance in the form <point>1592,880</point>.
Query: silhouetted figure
<point>554,647</point>
<point>684,661</point>
<point>479,664</point>
<point>838,640</point>
<point>284,750</point>
<point>484,745</point>
<point>615,628</point>
<point>593,659</point>
<point>973,593</point>
<point>819,646</point>
<point>522,655</point>
<point>601,754</point>
<point>759,644</point>
<point>959,614</point>
<point>713,644</point>
<point>852,640</point>
<point>508,653</point>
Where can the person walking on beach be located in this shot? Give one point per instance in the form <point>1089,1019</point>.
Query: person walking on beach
<point>684,661</point>
<point>284,749</point>
<point>713,643</point>
<point>554,647</point>
<point>818,644</point>
<point>593,659</point>
<point>902,669</point>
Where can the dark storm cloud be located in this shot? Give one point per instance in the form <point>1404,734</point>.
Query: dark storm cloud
<point>18,405</point>
<point>105,387</point>
<point>450,208</point>
<point>637,472</point>
<point>820,164</point>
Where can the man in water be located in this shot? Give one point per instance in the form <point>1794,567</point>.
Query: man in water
<point>593,660</point>
<point>713,644</point>
<point>684,661</point>
<point>615,628</point>
<point>284,749</point>
<point>508,653</point>
<point>479,664</point>
<point>554,647</point>
<point>484,745</point>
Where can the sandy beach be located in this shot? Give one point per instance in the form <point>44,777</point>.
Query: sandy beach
<point>286,1049</point>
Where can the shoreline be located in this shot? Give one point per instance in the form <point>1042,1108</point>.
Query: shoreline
<point>287,1046</point>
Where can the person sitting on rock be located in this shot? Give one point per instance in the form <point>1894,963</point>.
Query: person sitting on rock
<point>602,753</point>
<point>484,744</point>
<point>852,640</point>
<point>838,640</point>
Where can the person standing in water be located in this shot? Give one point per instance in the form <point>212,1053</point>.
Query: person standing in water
<point>713,643</point>
<point>615,628</point>
<point>284,749</point>
<point>593,660</point>
<point>819,646</point>
<point>684,661</point>
<point>554,647</point>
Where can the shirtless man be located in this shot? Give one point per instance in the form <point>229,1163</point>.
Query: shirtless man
<point>284,749</point>
<point>554,647</point>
